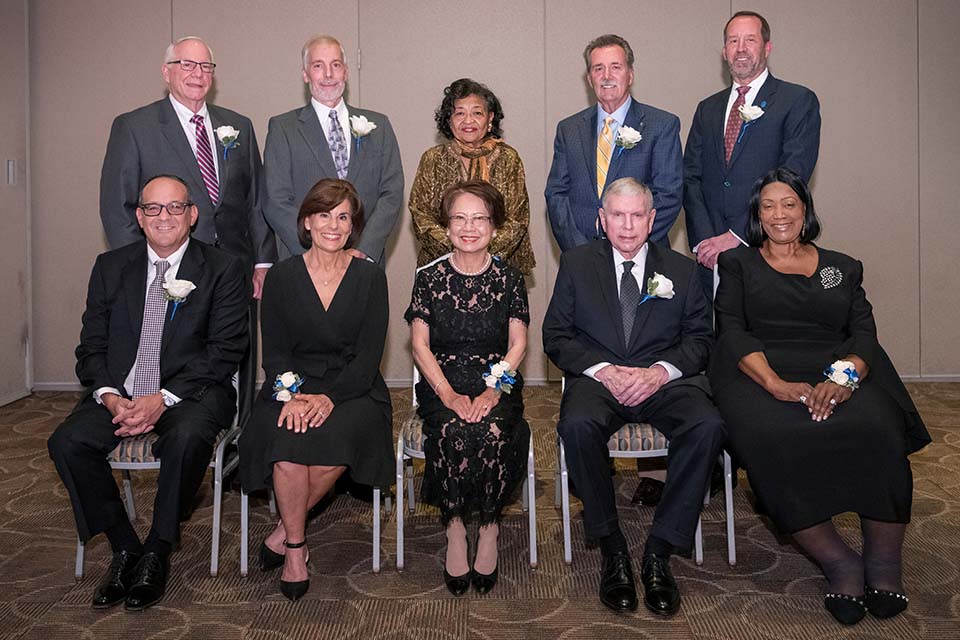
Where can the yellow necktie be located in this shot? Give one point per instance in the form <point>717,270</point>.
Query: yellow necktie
<point>604,150</point>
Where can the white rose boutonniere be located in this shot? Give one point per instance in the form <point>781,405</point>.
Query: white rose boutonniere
<point>176,291</point>
<point>227,136</point>
<point>627,138</point>
<point>659,286</point>
<point>360,127</point>
<point>749,115</point>
<point>286,385</point>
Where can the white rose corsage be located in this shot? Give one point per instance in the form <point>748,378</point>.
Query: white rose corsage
<point>501,376</point>
<point>360,127</point>
<point>843,373</point>
<point>176,291</point>
<point>749,115</point>
<point>659,286</point>
<point>627,138</point>
<point>227,136</point>
<point>286,385</point>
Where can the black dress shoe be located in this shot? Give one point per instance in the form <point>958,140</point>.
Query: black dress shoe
<point>457,585</point>
<point>618,591</point>
<point>484,582</point>
<point>294,590</point>
<point>149,582</point>
<point>648,492</point>
<point>269,559</point>
<point>112,590</point>
<point>884,604</point>
<point>845,609</point>
<point>660,592</point>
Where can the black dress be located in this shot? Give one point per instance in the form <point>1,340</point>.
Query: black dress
<point>338,352</point>
<point>470,467</point>
<point>804,472</point>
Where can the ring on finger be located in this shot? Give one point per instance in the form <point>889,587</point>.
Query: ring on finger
<point>833,401</point>
<point>803,399</point>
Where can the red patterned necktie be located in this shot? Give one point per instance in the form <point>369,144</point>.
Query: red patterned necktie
<point>205,159</point>
<point>734,122</point>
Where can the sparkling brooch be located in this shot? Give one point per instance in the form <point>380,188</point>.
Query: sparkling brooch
<point>830,277</point>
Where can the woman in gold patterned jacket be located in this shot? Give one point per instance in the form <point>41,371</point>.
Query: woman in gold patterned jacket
<point>469,117</point>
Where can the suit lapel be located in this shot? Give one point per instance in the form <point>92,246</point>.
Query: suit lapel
<point>312,134</point>
<point>357,151</point>
<point>588,142</point>
<point>223,164</point>
<point>651,265</point>
<point>633,120</point>
<point>191,268</point>
<point>135,290</point>
<point>763,100</point>
<point>173,132</point>
<point>718,124</point>
<point>607,281</point>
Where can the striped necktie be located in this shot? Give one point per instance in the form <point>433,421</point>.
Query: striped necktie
<point>146,378</point>
<point>604,153</point>
<point>205,159</point>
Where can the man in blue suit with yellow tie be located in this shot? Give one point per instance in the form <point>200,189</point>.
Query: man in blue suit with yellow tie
<point>619,137</point>
<point>737,135</point>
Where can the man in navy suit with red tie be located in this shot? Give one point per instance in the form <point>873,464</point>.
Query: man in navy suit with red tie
<point>737,135</point>
<point>155,356</point>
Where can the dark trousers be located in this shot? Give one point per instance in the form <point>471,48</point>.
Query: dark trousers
<point>589,415</point>
<point>79,449</point>
<point>706,280</point>
<point>249,367</point>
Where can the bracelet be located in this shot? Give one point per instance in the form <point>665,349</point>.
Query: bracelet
<point>843,373</point>
<point>439,384</point>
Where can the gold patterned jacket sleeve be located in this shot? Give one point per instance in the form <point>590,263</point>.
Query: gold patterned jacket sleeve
<point>513,238</point>
<point>424,204</point>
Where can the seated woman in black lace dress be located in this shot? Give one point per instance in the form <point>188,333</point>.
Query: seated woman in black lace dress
<point>815,410</point>
<point>468,321</point>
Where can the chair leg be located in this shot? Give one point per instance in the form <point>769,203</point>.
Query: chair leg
<point>411,501</point>
<point>728,498</point>
<point>565,504</point>
<point>128,492</point>
<point>530,494</point>
<point>217,515</point>
<point>78,567</point>
<point>400,471</point>
<point>698,543</point>
<point>273,502</point>
<point>244,532</point>
<point>376,529</point>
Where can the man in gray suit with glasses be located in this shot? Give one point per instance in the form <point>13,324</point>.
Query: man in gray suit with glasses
<point>329,139</point>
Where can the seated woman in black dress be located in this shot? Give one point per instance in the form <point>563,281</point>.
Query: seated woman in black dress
<point>468,322</point>
<point>814,408</point>
<point>324,408</point>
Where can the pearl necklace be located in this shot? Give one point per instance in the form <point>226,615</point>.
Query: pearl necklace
<point>486,265</point>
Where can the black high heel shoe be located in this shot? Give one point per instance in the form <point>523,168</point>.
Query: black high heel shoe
<point>269,559</point>
<point>845,609</point>
<point>484,582</point>
<point>294,590</point>
<point>457,585</point>
<point>884,604</point>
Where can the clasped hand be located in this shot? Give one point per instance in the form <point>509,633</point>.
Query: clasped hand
<point>821,401</point>
<point>305,410</point>
<point>710,249</point>
<point>135,416</point>
<point>466,409</point>
<point>632,385</point>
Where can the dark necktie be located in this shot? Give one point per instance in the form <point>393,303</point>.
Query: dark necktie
<point>734,122</point>
<point>338,146</point>
<point>629,299</point>
<point>146,379</point>
<point>205,160</point>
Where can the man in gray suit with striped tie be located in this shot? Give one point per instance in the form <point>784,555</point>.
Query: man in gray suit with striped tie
<point>330,139</point>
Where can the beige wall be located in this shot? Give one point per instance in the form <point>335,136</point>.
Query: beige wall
<point>885,184</point>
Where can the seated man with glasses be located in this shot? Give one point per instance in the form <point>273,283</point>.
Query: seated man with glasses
<point>164,329</point>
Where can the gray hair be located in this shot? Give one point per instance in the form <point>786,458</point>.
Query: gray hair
<point>168,55</point>
<point>628,187</point>
<point>321,39</point>
<point>608,40</point>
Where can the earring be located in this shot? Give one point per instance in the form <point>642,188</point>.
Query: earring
<point>494,235</point>
<point>448,233</point>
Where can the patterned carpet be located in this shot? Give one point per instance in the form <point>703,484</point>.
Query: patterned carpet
<point>772,593</point>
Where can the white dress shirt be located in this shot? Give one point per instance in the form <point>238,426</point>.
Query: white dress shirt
<point>173,260</point>
<point>343,116</point>
<point>618,117</point>
<point>639,264</point>
<point>190,129</point>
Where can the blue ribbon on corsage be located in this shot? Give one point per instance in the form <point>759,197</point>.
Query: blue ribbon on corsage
<point>659,286</point>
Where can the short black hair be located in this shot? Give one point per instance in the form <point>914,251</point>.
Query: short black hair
<point>764,25</point>
<point>460,89</point>
<point>811,225</point>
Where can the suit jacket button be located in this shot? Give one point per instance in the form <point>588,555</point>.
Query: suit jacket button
<point>726,183</point>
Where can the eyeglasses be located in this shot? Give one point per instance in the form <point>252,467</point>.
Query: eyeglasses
<point>153,209</point>
<point>460,220</point>
<point>190,65</point>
